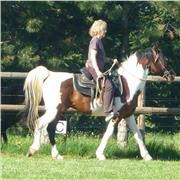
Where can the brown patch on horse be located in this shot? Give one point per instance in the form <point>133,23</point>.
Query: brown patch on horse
<point>80,102</point>
<point>66,91</point>
<point>145,58</point>
<point>72,98</point>
<point>125,95</point>
<point>128,108</point>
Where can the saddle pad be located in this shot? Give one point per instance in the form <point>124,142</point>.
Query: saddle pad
<point>83,90</point>
<point>117,84</point>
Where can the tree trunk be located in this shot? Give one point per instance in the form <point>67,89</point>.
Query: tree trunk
<point>125,43</point>
<point>122,133</point>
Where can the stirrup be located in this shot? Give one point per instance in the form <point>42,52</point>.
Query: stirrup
<point>111,115</point>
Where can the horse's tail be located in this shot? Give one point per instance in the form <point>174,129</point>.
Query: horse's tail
<point>33,94</point>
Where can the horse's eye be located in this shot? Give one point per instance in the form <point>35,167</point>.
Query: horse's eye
<point>165,59</point>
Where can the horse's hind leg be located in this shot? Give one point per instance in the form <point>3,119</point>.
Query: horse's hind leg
<point>4,136</point>
<point>42,122</point>
<point>138,137</point>
<point>51,132</point>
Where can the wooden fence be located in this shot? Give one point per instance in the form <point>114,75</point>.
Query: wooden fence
<point>141,110</point>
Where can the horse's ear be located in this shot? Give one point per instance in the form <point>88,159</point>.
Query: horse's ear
<point>156,47</point>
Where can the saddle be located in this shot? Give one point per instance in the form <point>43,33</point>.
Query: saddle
<point>85,84</point>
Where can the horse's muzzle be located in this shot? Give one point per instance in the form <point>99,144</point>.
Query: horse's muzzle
<point>169,75</point>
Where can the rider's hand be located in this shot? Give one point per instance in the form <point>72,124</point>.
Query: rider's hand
<point>115,61</point>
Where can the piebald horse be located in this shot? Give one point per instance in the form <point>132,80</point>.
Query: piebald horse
<point>58,93</point>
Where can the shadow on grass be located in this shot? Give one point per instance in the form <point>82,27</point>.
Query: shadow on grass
<point>157,151</point>
<point>163,152</point>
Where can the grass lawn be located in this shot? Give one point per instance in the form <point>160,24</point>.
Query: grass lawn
<point>80,163</point>
<point>21,167</point>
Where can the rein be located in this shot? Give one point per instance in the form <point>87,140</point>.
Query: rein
<point>110,69</point>
<point>133,75</point>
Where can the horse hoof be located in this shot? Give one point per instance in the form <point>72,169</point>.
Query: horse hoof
<point>31,152</point>
<point>58,157</point>
<point>147,157</point>
<point>100,157</point>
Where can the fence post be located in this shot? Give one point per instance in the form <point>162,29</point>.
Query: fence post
<point>141,117</point>
<point>122,133</point>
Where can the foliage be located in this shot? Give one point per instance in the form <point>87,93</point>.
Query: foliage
<point>34,25</point>
<point>57,29</point>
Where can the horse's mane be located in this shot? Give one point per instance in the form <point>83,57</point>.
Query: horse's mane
<point>140,53</point>
<point>146,52</point>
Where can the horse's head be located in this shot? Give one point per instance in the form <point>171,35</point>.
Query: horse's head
<point>153,59</point>
<point>159,66</point>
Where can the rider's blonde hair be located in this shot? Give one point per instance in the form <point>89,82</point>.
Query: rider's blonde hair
<point>97,27</point>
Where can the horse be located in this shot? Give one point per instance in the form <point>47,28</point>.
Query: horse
<point>58,93</point>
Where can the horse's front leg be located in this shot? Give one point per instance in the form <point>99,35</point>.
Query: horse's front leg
<point>104,141</point>
<point>138,137</point>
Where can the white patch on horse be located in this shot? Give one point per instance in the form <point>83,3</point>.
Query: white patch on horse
<point>134,73</point>
<point>97,107</point>
<point>117,104</point>
<point>52,86</point>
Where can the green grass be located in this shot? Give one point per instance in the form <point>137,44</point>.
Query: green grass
<point>21,167</point>
<point>80,162</point>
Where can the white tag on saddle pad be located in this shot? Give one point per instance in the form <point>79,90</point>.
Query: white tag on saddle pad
<point>61,127</point>
<point>97,108</point>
